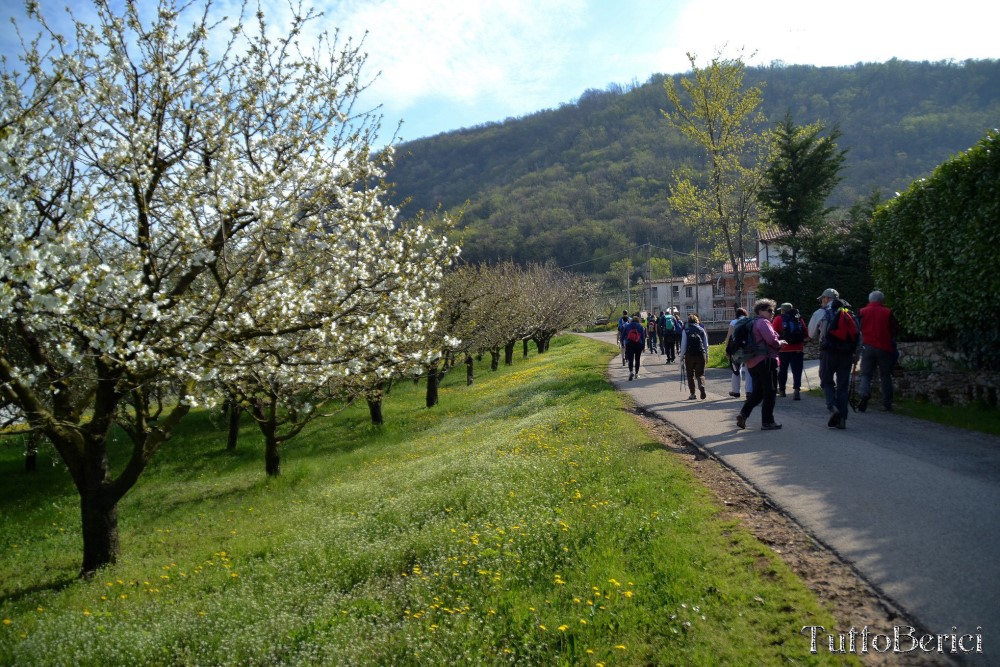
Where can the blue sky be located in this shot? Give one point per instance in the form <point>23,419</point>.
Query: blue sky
<point>449,64</point>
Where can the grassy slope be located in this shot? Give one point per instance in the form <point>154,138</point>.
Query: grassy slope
<point>525,519</point>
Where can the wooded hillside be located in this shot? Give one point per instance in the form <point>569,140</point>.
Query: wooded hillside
<point>590,179</point>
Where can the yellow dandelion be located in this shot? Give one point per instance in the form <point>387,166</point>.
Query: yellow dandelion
<point>7,621</point>
<point>41,609</point>
<point>86,612</point>
<point>233,575</point>
<point>563,628</point>
<point>583,621</point>
<point>543,627</point>
<point>620,647</point>
<point>627,594</point>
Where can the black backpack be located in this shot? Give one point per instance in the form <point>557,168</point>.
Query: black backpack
<point>695,345</point>
<point>741,345</point>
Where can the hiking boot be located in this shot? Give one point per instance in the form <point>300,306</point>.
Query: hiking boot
<point>630,376</point>
<point>734,394</point>
<point>770,427</point>
<point>863,404</point>
<point>703,394</point>
<point>842,424</point>
<point>795,396</point>
<point>781,393</point>
<point>637,375</point>
<point>692,397</point>
<point>741,421</point>
<point>835,420</point>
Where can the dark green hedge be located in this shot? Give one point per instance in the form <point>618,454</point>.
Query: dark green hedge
<point>936,254</point>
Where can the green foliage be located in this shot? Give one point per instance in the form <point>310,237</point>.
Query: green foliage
<point>805,169</point>
<point>590,179</point>
<point>717,112</point>
<point>833,256</point>
<point>937,250</point>
<point>531,523</point>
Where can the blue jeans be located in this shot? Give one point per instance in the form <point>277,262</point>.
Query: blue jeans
<point>872,357</point>
<point>835,379</point>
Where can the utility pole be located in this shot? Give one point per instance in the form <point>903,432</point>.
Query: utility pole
<point>697,281</point>
<point>628,289</point>
<point>649,276</point>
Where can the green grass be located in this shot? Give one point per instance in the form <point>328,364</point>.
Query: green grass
<point>976,417</point>
<point>524,520</point>
<point>717,356</point>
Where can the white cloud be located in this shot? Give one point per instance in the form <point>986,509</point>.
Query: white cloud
<point>853,31</point>
<point>462,50</point>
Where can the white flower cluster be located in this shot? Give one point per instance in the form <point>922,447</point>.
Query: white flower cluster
<point>171,220</point>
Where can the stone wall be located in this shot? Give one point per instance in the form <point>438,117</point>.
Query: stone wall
<point>929,372</point>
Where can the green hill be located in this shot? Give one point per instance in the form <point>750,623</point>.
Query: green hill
<point>591,179</point>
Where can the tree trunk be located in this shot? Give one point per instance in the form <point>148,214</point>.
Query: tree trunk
<point>469,370</point>
<point>31,452</point>
<point>375,410</point>
<point>272,454</point>
<point>432,386</point>
<point>508,353</point>
<point>99,515</point>
<point>235,410</point>
<point>524,355</point>
<point>494,359</point>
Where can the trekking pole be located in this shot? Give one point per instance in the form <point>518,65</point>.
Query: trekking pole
<point>683,372</point>
<point>852,397</point>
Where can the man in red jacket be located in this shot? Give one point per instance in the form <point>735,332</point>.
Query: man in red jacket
<point>878,338</point>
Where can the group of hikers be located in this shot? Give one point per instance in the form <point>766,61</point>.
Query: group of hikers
<point>767,347</point>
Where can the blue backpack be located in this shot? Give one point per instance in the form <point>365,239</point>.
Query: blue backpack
<point>792,330</point>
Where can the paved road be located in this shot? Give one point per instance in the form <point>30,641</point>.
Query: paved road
<point>914,506</point>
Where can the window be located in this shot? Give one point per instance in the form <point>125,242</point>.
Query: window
<point>654,292</point>
<point>676,290</point>
<point>689,291</point>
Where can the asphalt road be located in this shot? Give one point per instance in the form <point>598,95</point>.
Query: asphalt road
<point>912,505</point>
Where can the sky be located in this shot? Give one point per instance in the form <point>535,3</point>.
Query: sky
<point>442,65</point>
<point>449,64</point>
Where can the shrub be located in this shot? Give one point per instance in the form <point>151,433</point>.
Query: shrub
<point>936,250</point>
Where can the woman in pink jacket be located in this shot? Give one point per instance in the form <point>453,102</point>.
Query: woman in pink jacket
<point>763,367</point>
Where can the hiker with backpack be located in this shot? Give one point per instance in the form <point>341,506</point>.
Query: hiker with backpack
<point>791,329</point>
<point>836,328</point>
<point>694,352</point>
<point>761,357</point>
<point>622,323</point>
<point>634,335</point>
<point>651,333</point>
<point>736,368</point>
<point>668,337</point>
<point>879,329</point>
